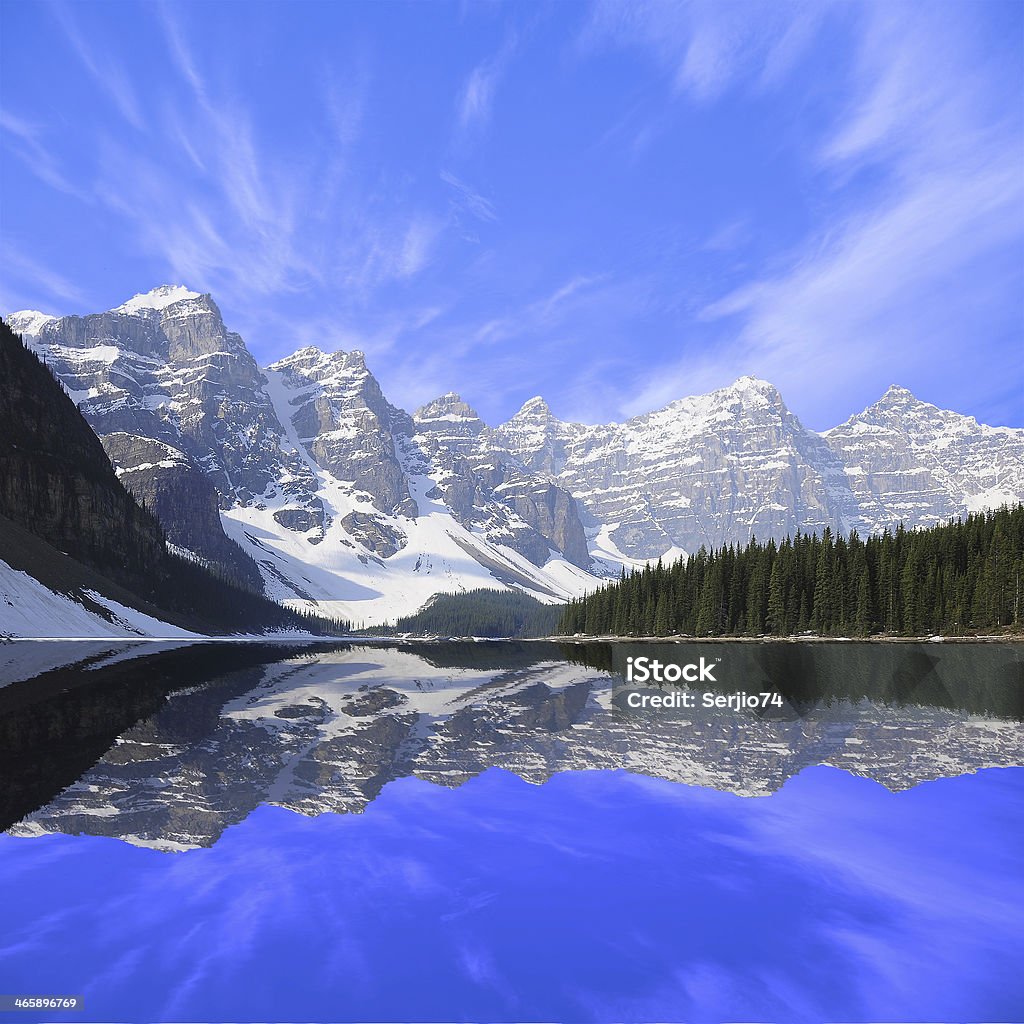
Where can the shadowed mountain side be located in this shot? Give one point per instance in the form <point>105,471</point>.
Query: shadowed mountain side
<point>57,483</point>
<point>56,479</point>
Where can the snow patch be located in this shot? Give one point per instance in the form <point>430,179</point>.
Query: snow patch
<point>28,321</point>
<point>159,298</point>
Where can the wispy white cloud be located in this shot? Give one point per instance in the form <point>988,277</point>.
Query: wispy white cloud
<point>47,290</point>
<point>25,141</point>
<point>476,98</point>
<point>706,47</point>
<point>477,95</point>
<point>728,236</point>
<point>346,103</point>
<point>469,199</point>
<point>506,359</point>
<point>890,283</point>
<point>544,314</point>
<point>181,53</point>
<point>226,210</point>
<point>416,246</point>
<point>104,69</point>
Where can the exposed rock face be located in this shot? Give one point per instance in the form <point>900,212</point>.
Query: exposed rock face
<point>377,536</point>
<point>56,480</point>
<point>345,500</point>
<point>343,420</point>
<point>184,499</point>
<point>320,479</point>
<point>724,467</point>
<point>907,460</point>
<point>709,470</point>
<point>487,487</point>
<point>162,367</point>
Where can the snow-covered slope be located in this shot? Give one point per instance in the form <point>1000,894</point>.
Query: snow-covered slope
<point>28,321</point>
<point>29,610</point>
<point>374,537</point>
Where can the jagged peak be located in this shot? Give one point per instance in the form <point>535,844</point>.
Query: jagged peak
<point>449,405</point>
<point>161,297</point>
<point>896,397</point>
<point>748,383</point>
<point>899,401</point>
<point>312,355</point>
<point>896,392</point>
<point>536,406</point>
<point>750,390</point>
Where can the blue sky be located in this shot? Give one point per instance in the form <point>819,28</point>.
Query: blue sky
<point>597,896</point>
<point>613,205</point>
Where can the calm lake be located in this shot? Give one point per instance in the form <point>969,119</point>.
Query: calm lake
<point>469,831</point>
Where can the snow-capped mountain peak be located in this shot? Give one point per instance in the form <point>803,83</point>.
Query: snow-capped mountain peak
<point>919,464</point>
<point>158,298</point>
<point>28,321</point>
<point>752,392</point>
<point>897,397</point>
<point>536,406</point>
<point>449,407</point>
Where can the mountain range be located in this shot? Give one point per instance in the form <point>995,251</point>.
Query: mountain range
<point>301,477</point>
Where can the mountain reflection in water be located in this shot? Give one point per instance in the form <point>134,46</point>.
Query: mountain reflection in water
<point>168,747</point>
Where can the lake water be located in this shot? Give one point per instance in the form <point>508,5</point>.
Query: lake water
<point>490,831</point>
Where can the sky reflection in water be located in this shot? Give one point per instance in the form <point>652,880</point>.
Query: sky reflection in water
<point>600,895</point>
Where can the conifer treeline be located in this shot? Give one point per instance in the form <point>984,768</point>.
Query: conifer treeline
<point>482,612</point>
<point>961,577</point>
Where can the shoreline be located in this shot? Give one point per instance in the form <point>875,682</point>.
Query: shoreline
<point>270,638</point>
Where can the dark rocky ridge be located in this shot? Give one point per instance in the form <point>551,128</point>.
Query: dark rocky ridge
<point>58,486</point>
<point>56,479</point>
<point>183,498</point>
<point>177,376</point>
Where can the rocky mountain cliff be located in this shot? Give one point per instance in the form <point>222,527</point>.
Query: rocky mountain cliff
<point>349,503</point>
<point>488,488</point>
<point>707,470</point>
<point>170,392</point>
<point>343,501</point>
<point>78,554</point>
<point>723,467</point>
<point>56,480</point>
<point>906,460</point>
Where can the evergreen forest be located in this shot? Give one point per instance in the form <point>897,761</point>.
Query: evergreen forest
<point>962,577</point>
